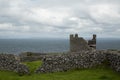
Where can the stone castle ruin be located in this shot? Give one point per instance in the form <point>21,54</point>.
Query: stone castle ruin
<point>79,43</point>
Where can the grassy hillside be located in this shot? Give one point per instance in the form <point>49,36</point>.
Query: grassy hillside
<point>100,73</point>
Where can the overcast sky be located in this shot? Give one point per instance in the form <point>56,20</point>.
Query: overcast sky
<point>59,18</point>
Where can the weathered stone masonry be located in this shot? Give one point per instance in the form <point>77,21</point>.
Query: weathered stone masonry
<point>114,59</point>
<point>79,43</point>
<point>79,60</point>
<point>29,56</point>
<point>10,63</point>
<point>64,62</point>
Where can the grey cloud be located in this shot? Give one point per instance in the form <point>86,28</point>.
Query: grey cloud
<point>56,17</point>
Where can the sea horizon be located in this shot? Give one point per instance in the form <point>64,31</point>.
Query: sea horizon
<point>50,45</point>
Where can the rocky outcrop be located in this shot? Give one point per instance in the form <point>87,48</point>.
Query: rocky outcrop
<point>10,63</point>
<point>78,60</point>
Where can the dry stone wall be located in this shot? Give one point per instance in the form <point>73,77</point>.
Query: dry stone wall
<point>63,62</point>
<point>10,63</point>
<point>29,56</point>
<point>114,59</point>
<point>78,60</point>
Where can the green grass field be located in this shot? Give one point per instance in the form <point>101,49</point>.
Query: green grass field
<point>100,73</point>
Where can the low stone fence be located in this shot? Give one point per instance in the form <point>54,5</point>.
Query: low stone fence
<point>29,56</point>
<point>114,59</point>
<point>64,62</point>
<point>10,63</point>
<point>80,60</point>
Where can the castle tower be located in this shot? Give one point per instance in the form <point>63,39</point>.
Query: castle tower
<point>94,36</point>
<point>78,43</point>
<point>76,35</point>
<point>92,43</point>
<point>71,36</point>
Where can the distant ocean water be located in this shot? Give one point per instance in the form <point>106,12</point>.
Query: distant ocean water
<point>17,46</point>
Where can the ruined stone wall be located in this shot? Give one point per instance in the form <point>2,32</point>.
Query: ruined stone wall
<point>10,63</point>
<point>79,60</point>
<point>114,59</point>
<point>92,42</point>
<point>78,43</point>
<point>64,62</point>
<point>29,56</point>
